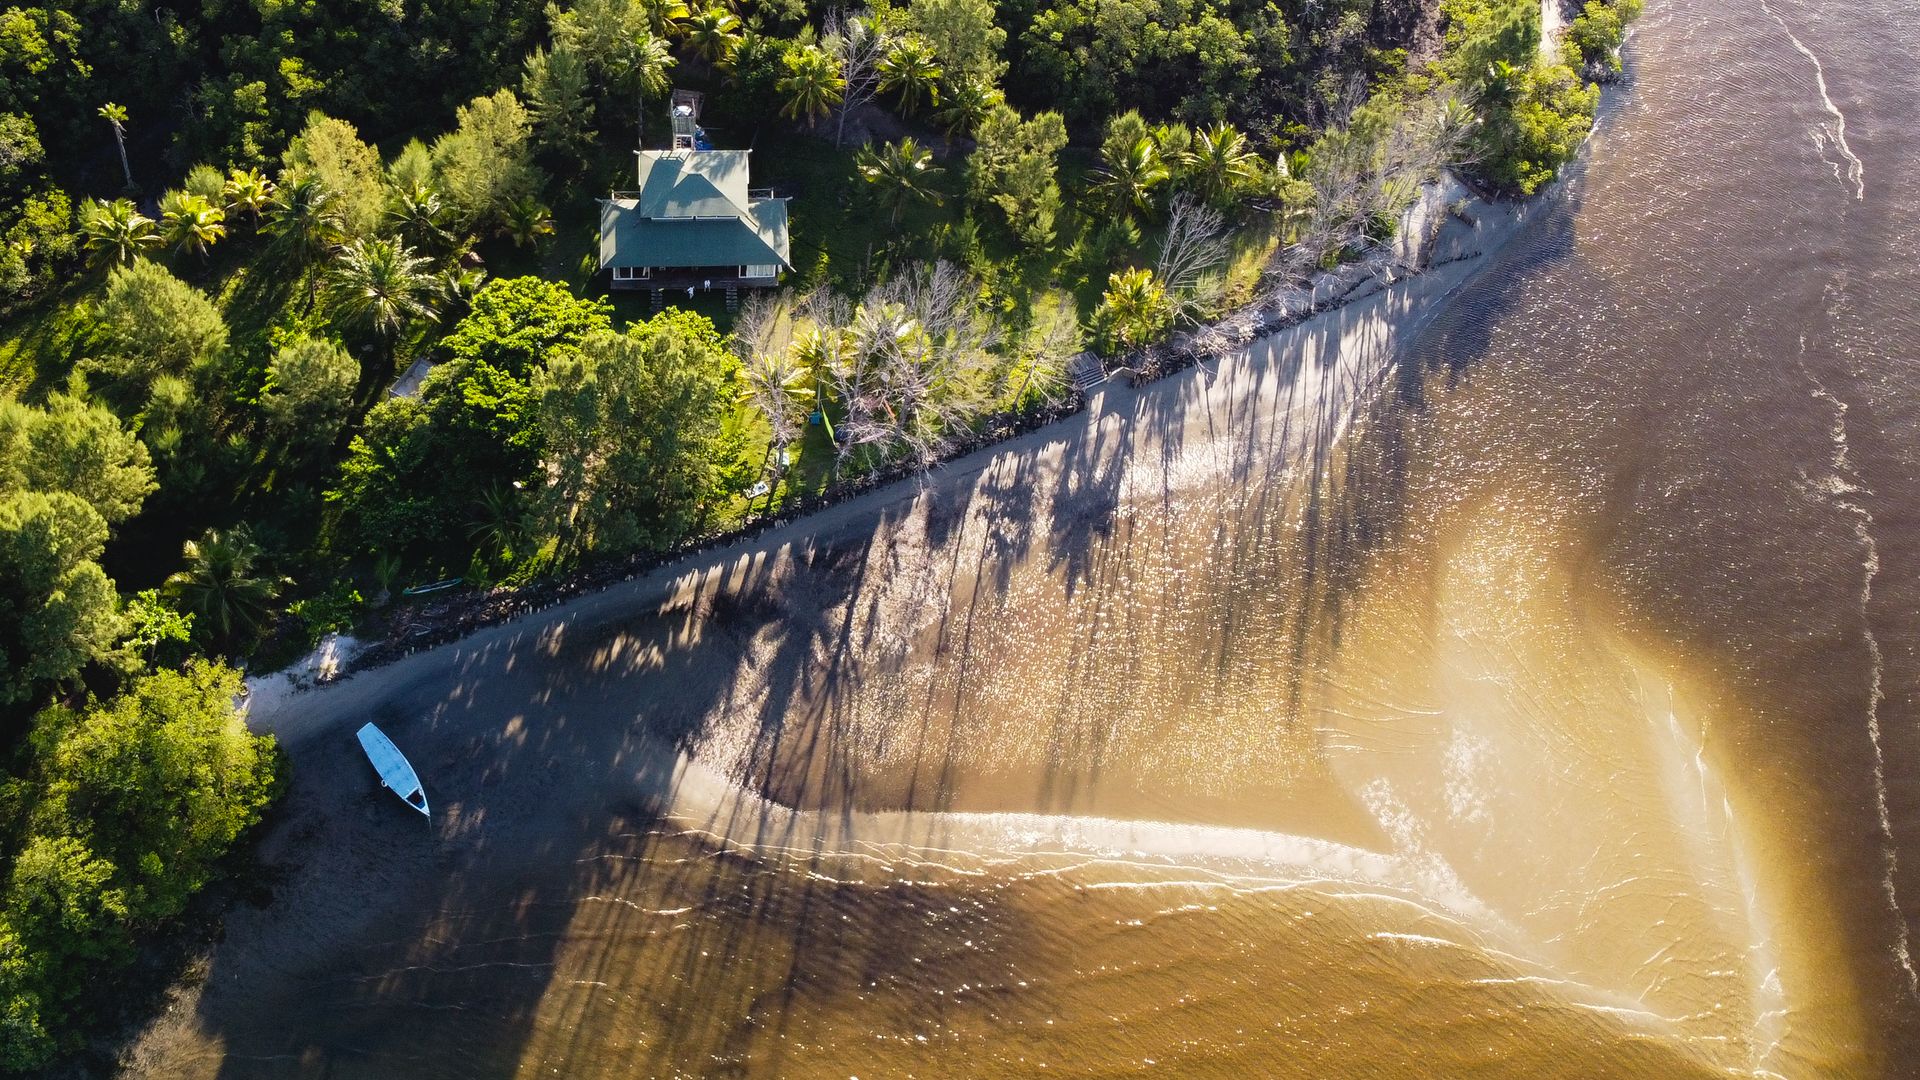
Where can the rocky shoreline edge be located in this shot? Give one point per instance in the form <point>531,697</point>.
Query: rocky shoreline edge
<point>1446,223</point>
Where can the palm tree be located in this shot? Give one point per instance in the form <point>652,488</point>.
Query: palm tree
<point>664,17</point>
<point>497,523</point>
<point>777,384</point>
<point>912,72</point>
<point>116,116</point>
<point>1453,123</point>
<point>714,34</point>
<point>1220,165</point>
<point>304,222</point>
<point>900,173</point>
<point>1134,309</point>
<point>649,66</point>
<point>190,222</point>
<point>968,103</point>
<point>220,585</point>
<point>527,221</point>
<point>382,284</point>
<point>457,285</point>
<point>418,215</point>
<point>818,351</point>
<point>812,85</point>
<point>116,230</point>
<point>1129,174</point>
<point>248,190</point>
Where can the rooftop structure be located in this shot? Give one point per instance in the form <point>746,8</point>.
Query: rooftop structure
<point>691,221</point>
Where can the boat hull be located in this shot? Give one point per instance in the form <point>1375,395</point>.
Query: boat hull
<point>396,772</point>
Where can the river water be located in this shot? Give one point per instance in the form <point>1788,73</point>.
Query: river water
<point>1525,684</point>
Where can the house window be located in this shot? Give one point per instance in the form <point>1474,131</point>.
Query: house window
<point>759,271</point>
<point>631,273</point>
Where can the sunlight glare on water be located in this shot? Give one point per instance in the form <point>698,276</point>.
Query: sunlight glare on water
<point>1508,676</point>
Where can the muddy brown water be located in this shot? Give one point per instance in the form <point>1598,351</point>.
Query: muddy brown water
<point>1512,674</point>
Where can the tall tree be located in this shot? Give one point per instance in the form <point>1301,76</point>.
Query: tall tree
<point>1043,355</point>
<point>74,447</point>
<point>418,464</point>
<point>633,434</point>
<point>57,607</point>
<point>382,285</point>
<point>67,472</point>
<point>127,807</point>
<point>161,781</point>
<point>152,323</point>
<point>812,85</point>
<point>1014,167</point>
<point>485,162</point>
<point>331,152</point>
<point>556,84</point>
<point>309,389</point>
<point>965,36</point>
<point>116,117</point>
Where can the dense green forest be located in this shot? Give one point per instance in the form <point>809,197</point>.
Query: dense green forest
<point>226,228</point>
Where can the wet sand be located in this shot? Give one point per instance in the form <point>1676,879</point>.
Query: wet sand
<point>809,668</point>
<point>1506,677</point>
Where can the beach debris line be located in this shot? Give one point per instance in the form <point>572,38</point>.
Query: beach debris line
<point>396,773</point>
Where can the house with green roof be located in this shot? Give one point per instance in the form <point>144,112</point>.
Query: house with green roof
<point>692,222</point>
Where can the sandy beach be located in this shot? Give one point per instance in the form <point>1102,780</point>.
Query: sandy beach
<point>923,648</point>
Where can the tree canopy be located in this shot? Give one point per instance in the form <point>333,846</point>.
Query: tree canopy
<point>58,610</point>
<point>151,324</point>
<point>128,807</point>
<point>632,426</point>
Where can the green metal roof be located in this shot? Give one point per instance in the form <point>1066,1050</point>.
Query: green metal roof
<point>692,209</point>
<point>692,183</point>
<point>630,238</point>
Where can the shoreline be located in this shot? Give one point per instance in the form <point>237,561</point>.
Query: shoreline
<point>545,732</point>
<point>597,597</point>
<point>1447,223</point>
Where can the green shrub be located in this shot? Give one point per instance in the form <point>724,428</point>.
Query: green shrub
<point>332,612</point>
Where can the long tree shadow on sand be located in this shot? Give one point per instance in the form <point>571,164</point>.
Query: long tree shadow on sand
<point>549,918</point>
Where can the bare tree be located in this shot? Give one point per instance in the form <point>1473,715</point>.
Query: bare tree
<point>858,46</point>
<point>1191,255</point>
<point>1370,165</point>
<point>916,375</point>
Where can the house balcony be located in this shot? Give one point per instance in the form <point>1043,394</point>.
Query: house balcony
<point>696,278</point>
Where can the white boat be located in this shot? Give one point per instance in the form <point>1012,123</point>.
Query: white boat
<point>395,771</point>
